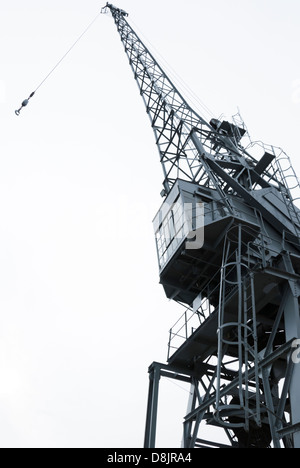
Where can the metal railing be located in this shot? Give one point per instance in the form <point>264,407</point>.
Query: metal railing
<point>259,254</point>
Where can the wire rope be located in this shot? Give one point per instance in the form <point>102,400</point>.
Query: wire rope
<point>26,101</point>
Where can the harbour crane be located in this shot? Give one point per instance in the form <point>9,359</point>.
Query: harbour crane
<point>228,245</point>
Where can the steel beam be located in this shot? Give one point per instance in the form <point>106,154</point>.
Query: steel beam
<point>151,419</point>
<point>292,329</point>
<point>269,360</point>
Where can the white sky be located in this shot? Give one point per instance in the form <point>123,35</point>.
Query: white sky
<point>82,313</point>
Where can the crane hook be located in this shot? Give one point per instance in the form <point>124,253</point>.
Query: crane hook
<point>24,103</point>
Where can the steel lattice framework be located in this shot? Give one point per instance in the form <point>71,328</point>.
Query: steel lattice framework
<point>235,342</point>
<point>189,147</point>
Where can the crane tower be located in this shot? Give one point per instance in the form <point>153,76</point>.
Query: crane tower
<point>228,245</point>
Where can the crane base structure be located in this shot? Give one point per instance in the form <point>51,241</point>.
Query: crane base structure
<point>237,344</point>
<point>228,246</point>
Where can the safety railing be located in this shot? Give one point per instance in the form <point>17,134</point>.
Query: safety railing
<point>259,253</point>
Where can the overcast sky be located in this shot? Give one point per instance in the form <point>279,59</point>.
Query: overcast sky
<point>82,314</point>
